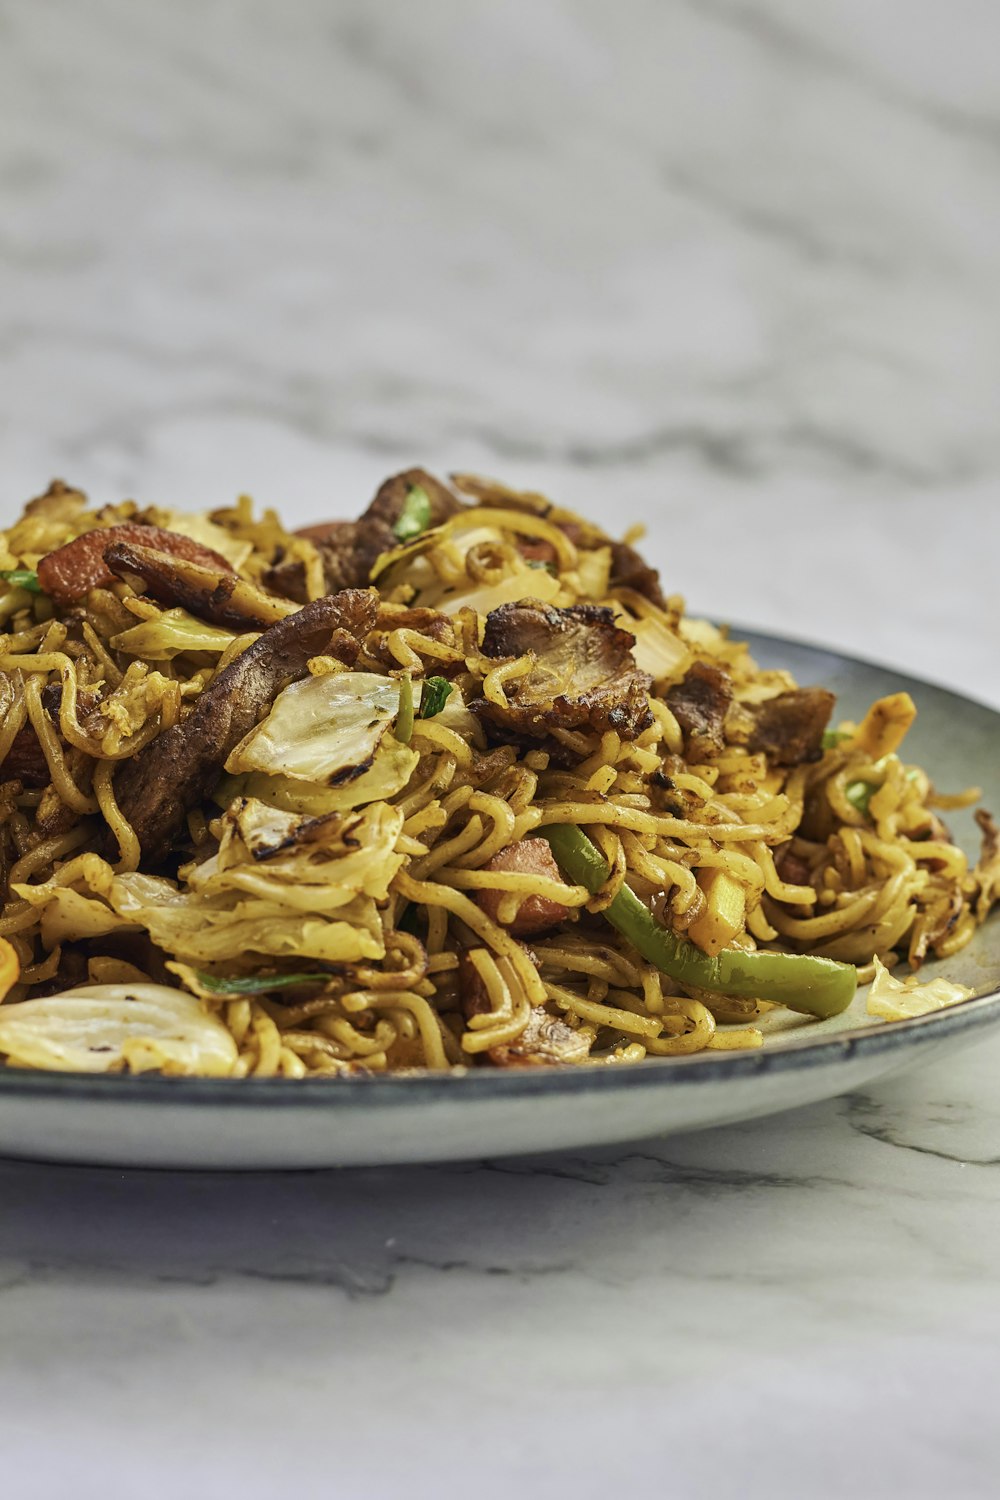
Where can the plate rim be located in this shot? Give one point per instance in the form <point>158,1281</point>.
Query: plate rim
<point>401,1088</point>
<point>708,1066</point>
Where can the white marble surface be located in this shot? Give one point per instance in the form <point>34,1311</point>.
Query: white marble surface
<point>728,266</point>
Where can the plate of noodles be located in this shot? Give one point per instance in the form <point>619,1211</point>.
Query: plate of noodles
<point>446,832</point>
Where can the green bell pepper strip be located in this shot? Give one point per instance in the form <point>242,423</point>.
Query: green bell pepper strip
<point>813,986</point>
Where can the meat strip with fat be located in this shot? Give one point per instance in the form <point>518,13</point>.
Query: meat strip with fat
<point>67,573</point>
<point>350,549</point>
<point>221,598</point>
<point>584,674</point>
<point>158,786</point>
<point>789,728</point>
<point>535,913</point>
<point>699,703</point>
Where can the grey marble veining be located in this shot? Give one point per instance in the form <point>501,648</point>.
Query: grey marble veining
<point>724,266</point>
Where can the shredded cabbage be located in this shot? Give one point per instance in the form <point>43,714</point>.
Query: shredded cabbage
<point>281,884</point>
<point>169,634</point>
<point>658,650</point>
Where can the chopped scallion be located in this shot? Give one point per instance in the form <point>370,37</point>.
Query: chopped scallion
<point>433,696</point>
<point>415,515</point>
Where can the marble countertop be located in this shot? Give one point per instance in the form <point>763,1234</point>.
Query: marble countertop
<point>717,265</point>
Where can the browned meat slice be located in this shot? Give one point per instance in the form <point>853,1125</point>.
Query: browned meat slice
<point>429,622</point>
<point>792,869</point>
<point>223,598</point>
<point>545,1039</point>
<point>584,674</point>
<point>24,761</point>
<point>388,503</point>
<point>66,574</point>
<point>535,913</point>
<point>630,570</point>
<point>349,549</point>
<point>700,703</point>
<point>789,728</point>
<point>157,787</point>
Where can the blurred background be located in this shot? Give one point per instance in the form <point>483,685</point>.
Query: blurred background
<point>728,267</point>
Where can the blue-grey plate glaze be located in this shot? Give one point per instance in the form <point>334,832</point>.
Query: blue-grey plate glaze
<point>209,1123</point>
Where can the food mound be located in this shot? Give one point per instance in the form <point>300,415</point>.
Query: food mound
<point>452,785</point>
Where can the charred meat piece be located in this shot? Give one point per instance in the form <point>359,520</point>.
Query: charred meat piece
<point>157,787</point>
<point>789,728</point>
<point>545,1039</point>
<point>390,499</point>
<point>220,597</point>
<point>429,622</point>
<point>66,574</point>
<point>699,703</point>
<point>349,549</point>
<point>630,570</point>
<point>24,761</point>
<point>535,913</point>
<point>584,674</point>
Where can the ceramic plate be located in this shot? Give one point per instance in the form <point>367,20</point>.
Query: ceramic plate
<point>273,1123</point>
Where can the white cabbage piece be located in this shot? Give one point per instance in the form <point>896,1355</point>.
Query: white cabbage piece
<point>388,774</point>
<point>593,569</point>
<point>898,1000</point>
<point>323,729</point>
<point>169,634</point>
<point>657,650</point>
<point>103,1027</point>
<point>524,583</point>
<point>200,529</point>
<point>456,717</point>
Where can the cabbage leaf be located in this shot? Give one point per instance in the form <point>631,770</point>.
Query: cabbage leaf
<point>324,730</point>
<point>105,1027</point>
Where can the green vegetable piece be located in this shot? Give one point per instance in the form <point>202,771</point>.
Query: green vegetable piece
<point>256,984</point>
<point>404,718</point>
<point>433,696</point>
<point>22,578</point>
<point>834,737</point>
<point>813,986</point>
<point>859,794</point>
<point>415,516</point>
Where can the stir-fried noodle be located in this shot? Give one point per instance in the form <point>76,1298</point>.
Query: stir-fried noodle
<point>452,785</point>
